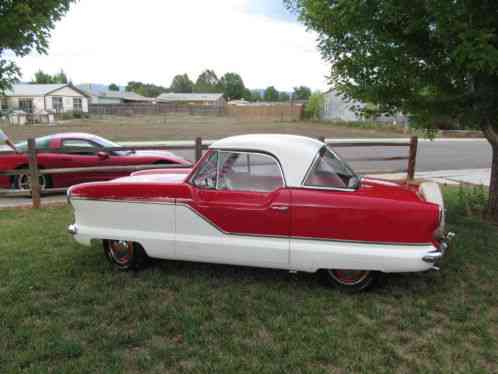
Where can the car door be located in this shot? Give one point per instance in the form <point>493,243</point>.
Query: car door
<point>78,153</point>
<point>242,197</point>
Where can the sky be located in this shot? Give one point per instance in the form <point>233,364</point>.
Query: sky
<point>153,40</point>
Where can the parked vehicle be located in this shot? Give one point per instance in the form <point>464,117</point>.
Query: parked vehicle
<point>74,150</point>
<point>275,201</point>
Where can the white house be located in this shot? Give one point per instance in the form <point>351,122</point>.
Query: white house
<point>39,98</point>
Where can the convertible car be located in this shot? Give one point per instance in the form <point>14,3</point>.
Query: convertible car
<point>276,201</point>
<point>80,150</point>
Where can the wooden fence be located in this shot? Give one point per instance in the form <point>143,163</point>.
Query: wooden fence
<point>274,112</point>
<point>34,172</point>
<point>153,109</point>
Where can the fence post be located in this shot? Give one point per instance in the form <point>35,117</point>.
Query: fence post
<point>322,139</point>
<point>412,158</point>
<point>198,148</point>
<point>34,175</point>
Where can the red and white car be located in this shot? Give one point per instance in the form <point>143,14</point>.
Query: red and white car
<point>75,150</point>
<point>275,201</point>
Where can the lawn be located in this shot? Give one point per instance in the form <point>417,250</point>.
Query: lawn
<point>175,126</point>
<point>64,310</point>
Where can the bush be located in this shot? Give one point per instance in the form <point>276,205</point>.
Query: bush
<point>313,108</point>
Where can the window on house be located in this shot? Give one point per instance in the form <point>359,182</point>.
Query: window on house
<point>4,104</point>
<point>77,105</point>
<point>57,104</point>
<point>26,105</point>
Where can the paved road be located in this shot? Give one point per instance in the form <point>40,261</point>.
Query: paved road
<point>437,155</point>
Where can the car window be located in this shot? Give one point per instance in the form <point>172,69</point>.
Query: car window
<point>328,170</point>
<point>207,174</point>
<point>245,171</point>
<point>79,147</point>
<point>40,143</point>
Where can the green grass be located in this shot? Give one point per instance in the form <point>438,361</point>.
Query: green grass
<point>63,310</point>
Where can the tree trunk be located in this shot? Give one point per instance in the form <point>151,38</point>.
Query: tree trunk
<point>493,186</point>
<point>492,135</point>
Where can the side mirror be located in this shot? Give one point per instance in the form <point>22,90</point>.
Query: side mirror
<point>102,155</point>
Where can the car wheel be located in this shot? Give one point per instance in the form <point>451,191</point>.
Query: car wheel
<point>22,182</point>
<point>125,255</point>
<point>351,280</point>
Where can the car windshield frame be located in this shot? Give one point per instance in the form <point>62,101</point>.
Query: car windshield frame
<point>344,165</point>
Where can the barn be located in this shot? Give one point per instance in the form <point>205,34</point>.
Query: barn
<point>208,99</point>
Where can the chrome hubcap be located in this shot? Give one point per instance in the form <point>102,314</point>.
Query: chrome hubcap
<point>349,277</point>
<point>121,251</point>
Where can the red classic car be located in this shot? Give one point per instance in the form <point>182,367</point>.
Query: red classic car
<point>277,201</point>
<point>80,150</point>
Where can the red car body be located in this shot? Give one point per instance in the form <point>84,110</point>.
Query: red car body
<point>269,212</point>
<point>50,158</point>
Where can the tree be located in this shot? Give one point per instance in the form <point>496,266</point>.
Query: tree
<point>208,82</point>
<point>113,87</point>
<point>313,108</point>
<point>256,95</point>
<point>145,89</point>
<point>283,96</point>
<point>25,25</point>
<point>431,59</point>
<point>301,93</point>
<point>182,84</point>
<point>44,78</point>
<point>271,94</point>
<point>233,86</point>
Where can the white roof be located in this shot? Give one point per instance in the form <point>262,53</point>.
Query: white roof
<point>25,89</point>
<point>295,153</point>
<point>189,96</point>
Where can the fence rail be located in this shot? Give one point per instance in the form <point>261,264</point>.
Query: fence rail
<point>198,145</point>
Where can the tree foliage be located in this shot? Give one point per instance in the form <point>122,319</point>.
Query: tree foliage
<point>283,96</point>
<point>430,59</point>
<point>145,89</point>
<point>208,82</point>
<point>233,86</point>
<point>182,84</point>
<point>25,25</point>
<point>301,93</point>
<point>45,78</point>
<point>313,108</point>
<point>113,87</point>
<point>271,94</point>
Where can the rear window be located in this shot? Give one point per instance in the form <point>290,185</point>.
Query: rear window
<point>329,170</point>
<point>41,143</point>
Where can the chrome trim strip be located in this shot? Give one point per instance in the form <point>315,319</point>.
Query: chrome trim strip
<point>181,202</point>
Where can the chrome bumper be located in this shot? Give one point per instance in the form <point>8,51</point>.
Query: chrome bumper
<point>72,229</point>
<point>434,256</point>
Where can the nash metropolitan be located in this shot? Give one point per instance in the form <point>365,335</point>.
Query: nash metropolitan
<point>274,201</point>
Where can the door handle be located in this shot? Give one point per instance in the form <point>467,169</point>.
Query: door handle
<point>281,208</point>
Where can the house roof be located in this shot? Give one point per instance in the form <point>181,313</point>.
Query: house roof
<point>295,153</point>
<point>126,95</point>
<point>27,89</point>
<point>189,96</point>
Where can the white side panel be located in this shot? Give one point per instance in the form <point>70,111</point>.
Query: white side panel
<point>312,255</point>
<point>151,225</point>
<point>198,240</point>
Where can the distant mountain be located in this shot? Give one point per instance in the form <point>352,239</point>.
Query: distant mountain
<point>96,87</point>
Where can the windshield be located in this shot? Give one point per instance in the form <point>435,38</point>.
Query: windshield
<point>329,170</point>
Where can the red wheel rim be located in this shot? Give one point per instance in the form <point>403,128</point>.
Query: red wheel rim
<point>121,251</point>
<point>349,277</point>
